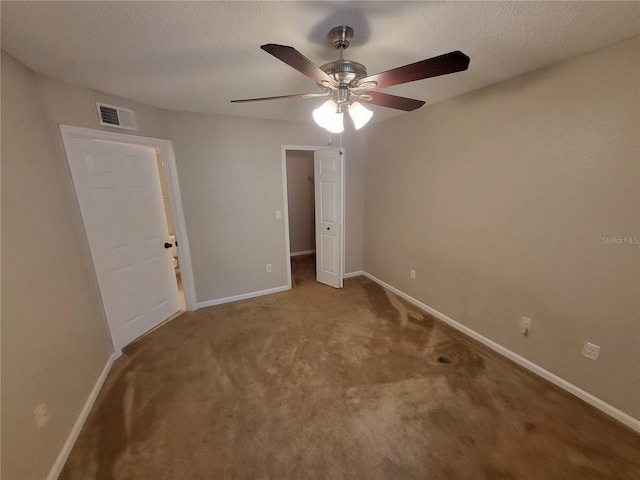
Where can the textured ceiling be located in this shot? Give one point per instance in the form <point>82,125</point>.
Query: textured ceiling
<point>196,56</point>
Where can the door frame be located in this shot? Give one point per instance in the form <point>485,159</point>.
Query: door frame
<point>165,148</point>
<point>311,148</point>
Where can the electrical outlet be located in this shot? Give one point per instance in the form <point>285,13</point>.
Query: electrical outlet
<point>41,414</point>
<point>412,274</point>
<point>278,214</point>
<point>269,267</point>
<point>591,351</point>
<point>525,326</point>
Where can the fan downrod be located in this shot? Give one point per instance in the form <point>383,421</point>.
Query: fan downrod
<point>345,72</point>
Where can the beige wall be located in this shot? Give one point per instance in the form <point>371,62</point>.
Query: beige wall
<point>301,201</point>
<point>232,184</point>
<point>54,339</point>
<point>500,200</point>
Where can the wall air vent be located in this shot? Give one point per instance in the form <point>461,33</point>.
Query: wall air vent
<point>118,117</point>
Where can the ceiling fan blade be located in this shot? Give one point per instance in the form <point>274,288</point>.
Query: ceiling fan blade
<point>245,100</point>
<point>392,101</point>
<point>295,59</point>
<point>432,67</point>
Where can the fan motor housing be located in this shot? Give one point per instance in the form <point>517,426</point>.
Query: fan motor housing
<point>345,71</point>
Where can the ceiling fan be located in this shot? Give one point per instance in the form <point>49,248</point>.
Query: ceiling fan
<point>345,80</point>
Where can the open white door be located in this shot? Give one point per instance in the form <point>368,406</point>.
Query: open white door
<point>328,187</point>
<point>120,198</point>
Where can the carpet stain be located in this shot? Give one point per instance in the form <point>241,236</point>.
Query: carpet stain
<point>319,383</point>
<point>404,309</point>
<point>380,303</point>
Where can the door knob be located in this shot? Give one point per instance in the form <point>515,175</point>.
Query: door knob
<point>167,245</point>
<point>328,228</point>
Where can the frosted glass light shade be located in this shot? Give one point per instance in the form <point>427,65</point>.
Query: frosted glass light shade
<point>359,114</point>
<point>325,116</point>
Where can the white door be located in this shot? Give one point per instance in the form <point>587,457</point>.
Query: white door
<point>328,187</point>
<point>120,198</point>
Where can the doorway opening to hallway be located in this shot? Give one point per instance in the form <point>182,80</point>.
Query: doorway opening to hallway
<point>301,208</point>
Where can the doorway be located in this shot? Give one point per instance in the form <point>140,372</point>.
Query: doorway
<point>166,202</point>
<point>314,215</point>
<point>301,213</point>
<point>117,179</point>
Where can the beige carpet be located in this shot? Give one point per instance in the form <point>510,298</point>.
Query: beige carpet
<point>318,383</point>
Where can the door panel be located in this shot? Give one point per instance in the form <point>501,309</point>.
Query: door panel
<point>328,258</point>
<point>328,202</point>
<point>120,198</point>
<point>328,187</point>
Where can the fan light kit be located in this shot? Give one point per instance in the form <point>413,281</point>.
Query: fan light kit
<point>347,84</point>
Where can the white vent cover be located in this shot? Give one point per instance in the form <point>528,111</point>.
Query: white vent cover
<point>118,117</point>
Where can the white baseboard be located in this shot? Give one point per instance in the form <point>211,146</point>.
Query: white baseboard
<point>244,296</point>
<point>353,274</point>
<point>592,400</point>
<point>305,252</point>
<point>84,413</point>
